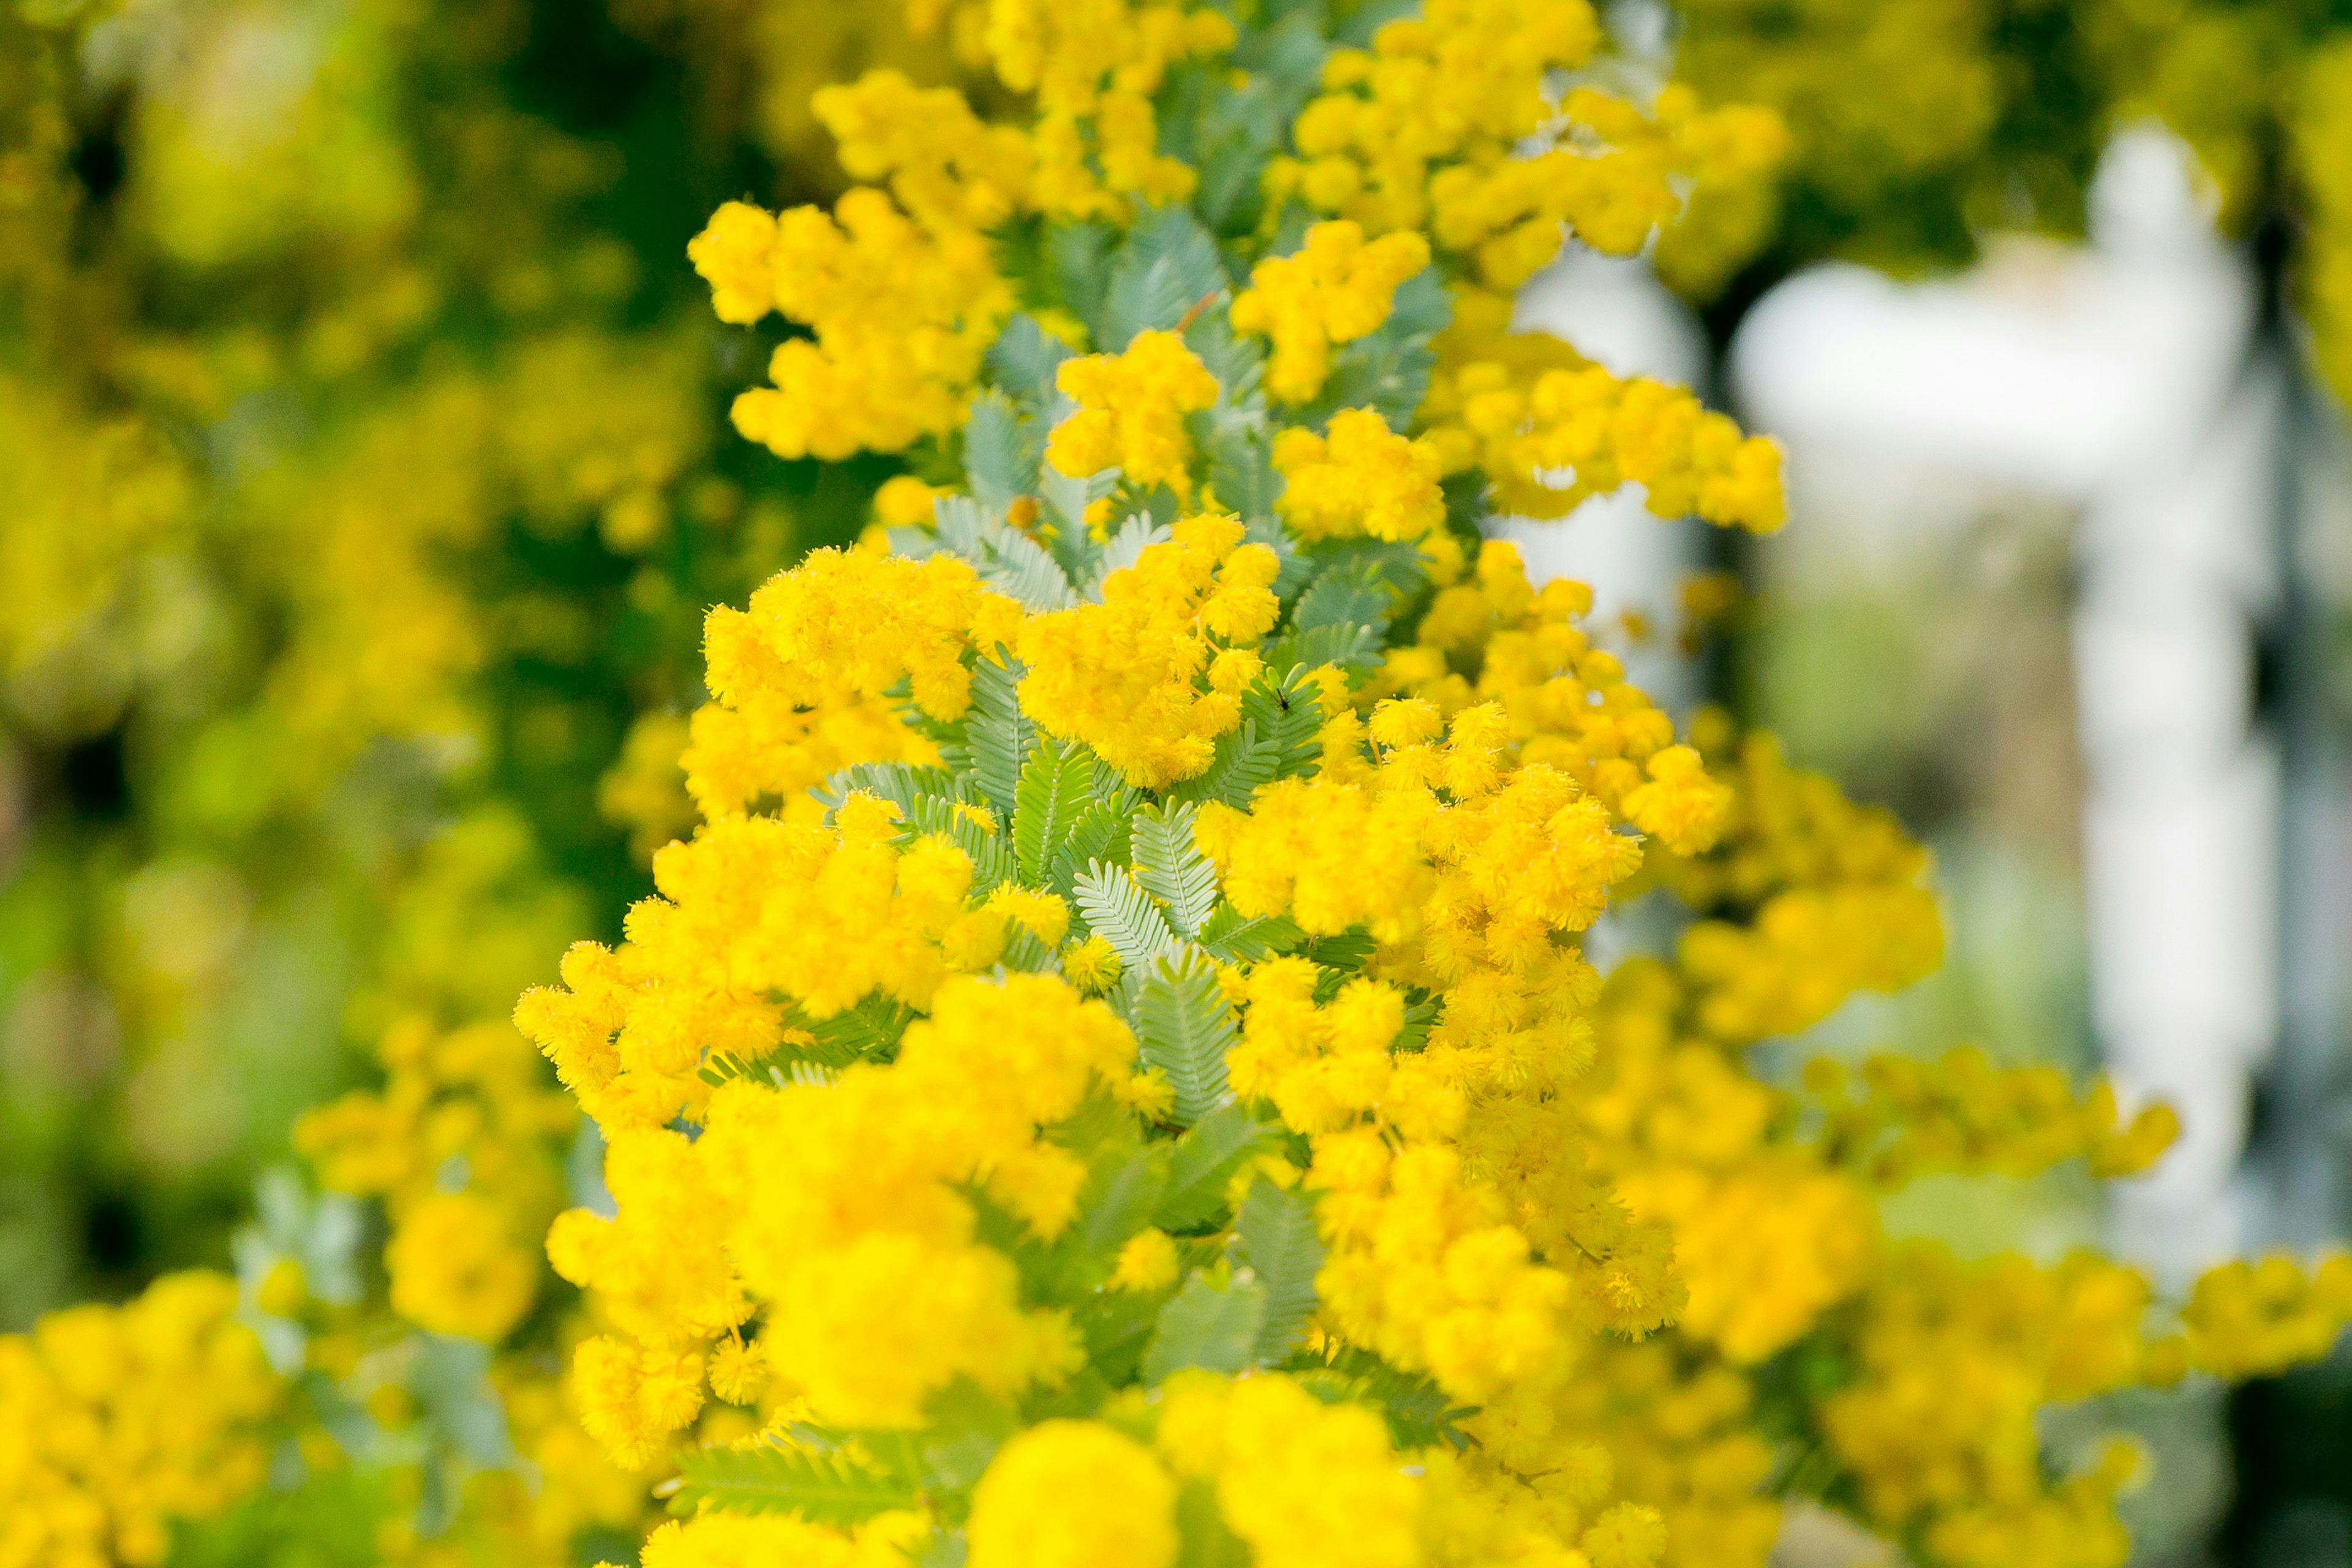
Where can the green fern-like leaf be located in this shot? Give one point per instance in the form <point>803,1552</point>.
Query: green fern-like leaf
<point>825,1487</point>
<point>1187,1027</point>
<point>1171,867</point>
<point>1123,915</point>
<point>1023,360</point>
<point>1275,1235</point>
<point>1002,446</point>
<point>997,735</point>
<point>1056,786</point>
<point>1006,559</point>
<point>1234,937</point>
<point>897,783</point>
<point>1100,833</point>
<point>1169,265</point>
<point>1351,593</point>
<point>1203,1163</point>
<point>1208,1325</point>
<point>1349,951</point>
<point>1276,738</point>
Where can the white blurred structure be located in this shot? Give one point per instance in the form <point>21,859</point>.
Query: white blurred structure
<point>2116,379</point>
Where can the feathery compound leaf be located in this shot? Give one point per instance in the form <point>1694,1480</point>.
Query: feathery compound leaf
<point>897,783</point>
<point>1275,1235</point>
<point>1235,937</point>
<point>1354,648</point>
<point>1202,1163</point>
<point>1024,360</point>
<point>1100,833</point>
<point>1123,915</point>
<point>1002,448</point>
<point>1419,1414</point>
<point>1056,786</point>
<point>1276,738</point>
<point>1169,265</point>
<point>1351,593</point>
<point>1349,951</point>
<point>1171,867</point>
<point>1006,559</point>
<point>997,735</point>
<point>821,1487</point>
<point>1206,1325</point>
<point>1187,1027</point>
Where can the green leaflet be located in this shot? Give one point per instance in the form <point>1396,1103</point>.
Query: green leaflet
<point>1169,265</point>
<point>1275,1236</point>
<point>1120,912</point>
<point>1056,786</point>
<point>1187,1027</point>
<point>1208,1325</point>
<point>997,734</point>
<point>867,1031</point>
<point>1351,593</point>
<point>1418,1413</point>
<point>897,783</point>
<point>1234,937</point>
<point>1024,361</point>
<point>1348,952</point>
<point>1005,558</point>
<point>1100,833</point>
<point>823,1488</point>
<point>1276,738</point>
<point>1002,445</point>
<point>1204,1539</point>
<point>1171,867</point>
<point>1202,1161</point>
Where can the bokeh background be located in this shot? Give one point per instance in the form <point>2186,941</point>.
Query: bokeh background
<point>364,476</point>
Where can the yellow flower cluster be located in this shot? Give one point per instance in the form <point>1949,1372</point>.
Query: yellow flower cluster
<point>1962,1114</point>
<point>1417,133</point>
<point>901,310</point>
<point>1131,413</point>
<point>1551,430</point>
<point>1147,678</point>
<point>1335,289</point>
<point>1094,65</point>
<point>115,1421</point>
<point>456,1145</point>
<point>1358,479</point>
<point>800,679</point>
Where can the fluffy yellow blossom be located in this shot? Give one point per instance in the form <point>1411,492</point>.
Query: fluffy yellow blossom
<point>901,313</point>
<point>1305,1484</point>
<point>1129,677</point>
<point>1094,65</point>
<point>1360,480</point>
<point>1074,1494</point>
<point>1130,414</point>
<point>121,1419</point>
<point>456,1268</point>
<point>1335,289</point>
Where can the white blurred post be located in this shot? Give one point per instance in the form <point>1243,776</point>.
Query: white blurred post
<point>2115,379</point>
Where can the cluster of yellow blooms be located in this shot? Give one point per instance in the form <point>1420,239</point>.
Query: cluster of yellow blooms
<point>1113,1077</point>
<point>115,1420</point>
<point>1116,1080</point>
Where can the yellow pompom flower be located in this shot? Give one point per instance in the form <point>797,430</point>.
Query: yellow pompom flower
<point>1337,288</point>
<point>1131,408</point>
<point>1073,1494</point>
